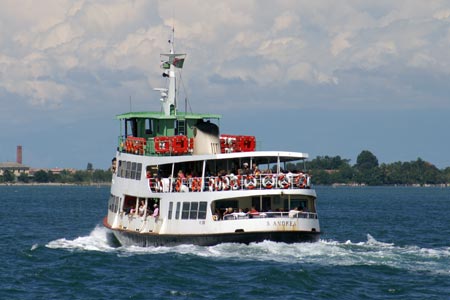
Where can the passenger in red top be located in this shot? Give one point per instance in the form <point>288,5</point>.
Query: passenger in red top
<point>253,211</point>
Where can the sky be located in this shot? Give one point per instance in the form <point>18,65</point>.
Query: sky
<point>321,77</point>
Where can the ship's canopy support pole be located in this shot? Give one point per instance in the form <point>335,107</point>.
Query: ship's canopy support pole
<point>203,176</point>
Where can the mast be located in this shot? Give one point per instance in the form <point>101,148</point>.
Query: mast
<point>170,62</point>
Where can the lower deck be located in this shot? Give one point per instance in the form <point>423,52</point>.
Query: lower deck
<point>156,240</point>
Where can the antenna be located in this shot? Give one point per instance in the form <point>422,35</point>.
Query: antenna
<point>171,63</point>
<point>130,104</point>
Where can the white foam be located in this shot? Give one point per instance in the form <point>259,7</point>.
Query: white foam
<point>324,252</point>
<point>97,240</point>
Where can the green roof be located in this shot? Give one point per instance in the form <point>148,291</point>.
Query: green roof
<point>161,115</point>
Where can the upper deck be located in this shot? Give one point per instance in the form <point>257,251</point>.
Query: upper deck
<point>158,134</point>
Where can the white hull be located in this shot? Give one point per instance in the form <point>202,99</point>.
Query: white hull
<point>174,226</point>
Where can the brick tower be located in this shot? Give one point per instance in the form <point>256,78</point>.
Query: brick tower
<point>19,154</point>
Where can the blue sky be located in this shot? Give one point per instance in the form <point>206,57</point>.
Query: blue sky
<point>322,77</point>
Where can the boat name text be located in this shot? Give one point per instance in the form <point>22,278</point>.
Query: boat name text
<point>282,223</point>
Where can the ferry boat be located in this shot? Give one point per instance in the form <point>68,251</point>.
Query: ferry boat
<point>177,180</point>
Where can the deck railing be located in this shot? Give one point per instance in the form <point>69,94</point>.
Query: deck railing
<point>231,183</point>
<point>275,214</point>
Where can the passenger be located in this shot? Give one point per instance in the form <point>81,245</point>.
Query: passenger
<point>267,171</point>
<point>270,212</point>
<point>290,177</point>
<point>256,170</point>
<point>218,214</point>
<point>142,208</point>
<point>155,211</point>
<point>241,213</point>
<point>246,170</point>
<point>228,211</point>
<point>253,212</point>
<point>293,213</point>
<point>114,165</point>
<point>165,185</point>
<point>158,184</point>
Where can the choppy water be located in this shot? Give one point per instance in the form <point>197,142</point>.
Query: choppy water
<point>379,243</point>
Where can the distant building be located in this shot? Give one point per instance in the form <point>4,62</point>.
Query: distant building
<point>14,168</point>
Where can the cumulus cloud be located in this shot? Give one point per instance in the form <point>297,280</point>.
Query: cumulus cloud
<point>340,43</point>
<point>50,44</point>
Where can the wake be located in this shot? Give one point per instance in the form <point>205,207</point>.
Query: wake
<point>368,253</point>
<point>100,239</point>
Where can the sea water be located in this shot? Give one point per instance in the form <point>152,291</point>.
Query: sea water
<point>378,243</point>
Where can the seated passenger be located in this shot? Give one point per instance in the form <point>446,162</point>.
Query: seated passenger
<point>228,211</point>
<point>293,213</point>
<point>253,211</point>
<point>217,214</point>
<point>240,213</point>
<point>255,170</point>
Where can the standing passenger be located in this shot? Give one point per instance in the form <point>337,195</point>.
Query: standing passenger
<point>155,211</point>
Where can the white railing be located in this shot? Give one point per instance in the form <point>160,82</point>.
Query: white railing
<point>231,183</point>
<point>276,214</point>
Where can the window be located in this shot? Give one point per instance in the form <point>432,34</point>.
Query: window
<point>185,212</point>
<point>148,126</point>
<point>300,203</point>
<point>194,211</point>
<point>133,171</point>
<point>177,213</point>
<point>256,203</point>
<point>120,169</point>
<point>170,210</point>
<point>139,171</point>
<point>202,210</point>
<point>111,202</point>
<point>128,170</point>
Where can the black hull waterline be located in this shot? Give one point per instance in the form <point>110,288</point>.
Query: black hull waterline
<point>155,240</point>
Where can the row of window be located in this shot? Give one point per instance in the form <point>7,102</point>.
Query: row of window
<point>128,169</point>
<point>188,210</point>
<point>113,203</point>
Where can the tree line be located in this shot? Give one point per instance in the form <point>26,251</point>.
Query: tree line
<point>328,170</point>
<point>65,176</point>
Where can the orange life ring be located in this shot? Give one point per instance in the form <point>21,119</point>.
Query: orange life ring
<point>225,183</point>
<point>250,182</point>
<point>211,184</point>
<point>268,182</point>
<point>301,181</point>
<point>283,182</point>
<point>162,144</point>
<point>235,182</point>
<point>178,185</point>
<point>180,144</point>
<point>218,183</point>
